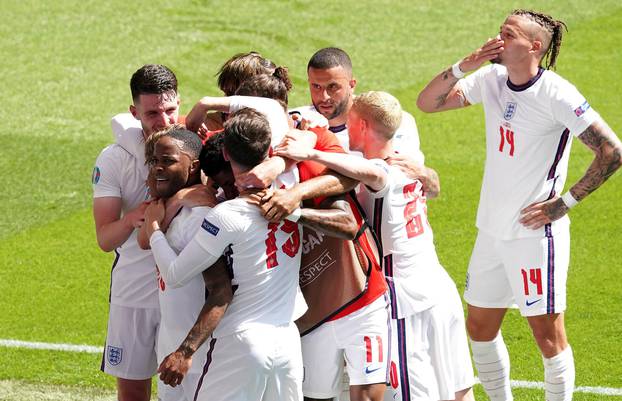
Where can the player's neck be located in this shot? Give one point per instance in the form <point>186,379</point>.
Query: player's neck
<point>339,120</point>
<point>377,149</point>
<point>520,75</point>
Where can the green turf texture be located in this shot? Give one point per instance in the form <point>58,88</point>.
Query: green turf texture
<point>66,67</point>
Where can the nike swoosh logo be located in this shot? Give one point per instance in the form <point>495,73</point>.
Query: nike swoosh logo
<point>368,371</point>
<point>531,303</point>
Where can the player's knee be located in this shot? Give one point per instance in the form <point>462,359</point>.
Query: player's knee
<point>480,329</point>
<point>133,390</point>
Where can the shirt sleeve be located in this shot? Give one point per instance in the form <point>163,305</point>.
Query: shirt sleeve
<point>277,118</point>
<point>128,133</point>
<point>216,233</point>
<point>382,192</point>
<point>107,173</point>
<point>571,109</point>
<point>473,85</point>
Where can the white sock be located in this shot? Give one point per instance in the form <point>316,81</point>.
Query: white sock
<point>492,362</point>
<point>559,376</point>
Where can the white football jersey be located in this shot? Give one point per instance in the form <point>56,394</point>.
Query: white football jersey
<point>528,137</point>
<point>128,133</point>
<point>276,116</point>
<point>398,214</point>
<point>264,259</point>
<point>133,280</point>
<point>405,139</point>
<point>181,306</point>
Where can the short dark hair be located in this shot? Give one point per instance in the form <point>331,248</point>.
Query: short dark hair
<point>273,86</point>
<point>211,158</point>
<point>190,142</point>
<point>152,79</point>
<point>241,67</point>
<point>330,57</point>
<point>247,137</point>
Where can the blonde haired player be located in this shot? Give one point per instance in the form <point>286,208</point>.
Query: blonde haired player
<point>429,349</point>
<point>521,254</point>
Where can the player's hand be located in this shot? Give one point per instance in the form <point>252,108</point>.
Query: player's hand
<point>203,132</point>
<point>154,214</point>
<point>538,214</point>
<point>278,204</point>
<point>294,149</point>
<point>489,51</point>
<point>408,166</point>
<point>174,367</point>
<point>136,217</point>
<point>261,176</point>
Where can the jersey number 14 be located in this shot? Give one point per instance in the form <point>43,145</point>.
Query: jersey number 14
<point>506,137</point>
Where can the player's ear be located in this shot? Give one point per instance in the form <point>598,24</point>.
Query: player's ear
<point>225,155</point>
<point>536,46</point>
<point>195,166</point>
<point>134,111</point>
<point>352,83</point>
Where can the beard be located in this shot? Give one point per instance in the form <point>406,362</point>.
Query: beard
<point>340,108</point>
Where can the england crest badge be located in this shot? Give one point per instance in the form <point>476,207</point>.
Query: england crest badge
<point>510,110</point>
<point>115,355</point>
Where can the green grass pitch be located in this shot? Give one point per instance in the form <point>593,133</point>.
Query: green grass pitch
<point>66,66</point>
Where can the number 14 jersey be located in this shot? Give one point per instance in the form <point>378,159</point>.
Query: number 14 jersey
<point>528,130</point>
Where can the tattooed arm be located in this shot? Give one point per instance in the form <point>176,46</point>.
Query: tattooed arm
<point>218,283</point>
<point>442,93</point>
<point>608,159</point>
<point>416,171</point>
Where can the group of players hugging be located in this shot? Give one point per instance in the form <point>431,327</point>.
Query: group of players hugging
<point>269,253</point>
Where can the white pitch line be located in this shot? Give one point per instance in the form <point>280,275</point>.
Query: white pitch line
<point>92,349</point>
<point>581,389</point>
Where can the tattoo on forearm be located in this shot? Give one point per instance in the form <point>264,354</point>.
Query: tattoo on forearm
<point>605,145</point>
<point>555,210</point>
<point>447,75</point>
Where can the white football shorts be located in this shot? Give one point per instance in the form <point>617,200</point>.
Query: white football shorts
<point>130,350</point>
<point>528,273</point>
<point>361,339</point>
<point>261,363</point>
<point>430,357</point>
<point>182,392</point>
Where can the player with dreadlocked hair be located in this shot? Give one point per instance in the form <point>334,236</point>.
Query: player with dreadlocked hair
<point>521,254</point>
<point>553,31</point>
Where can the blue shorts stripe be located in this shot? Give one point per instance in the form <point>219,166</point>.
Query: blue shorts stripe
<point>403,358</point>
<point>208,361</point>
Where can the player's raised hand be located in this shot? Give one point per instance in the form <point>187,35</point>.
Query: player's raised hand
<point>136,217</point>
<point>489,51</point>
<point>154,215</point>
<point>174,367</point>
<point>538,214</point>
<point>293,149</point>
<point>260,176</point>
<point>278,204</point>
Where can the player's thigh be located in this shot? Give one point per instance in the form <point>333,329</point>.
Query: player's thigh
<point>285,382</point>
<point>323,363</point>
<point>364,335</point>
<point>449,347</point>
<point>236,368</point>
<point>487,285</point>
<point>130,342</point>
<point>537,269</point>
<point>412,374</point>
